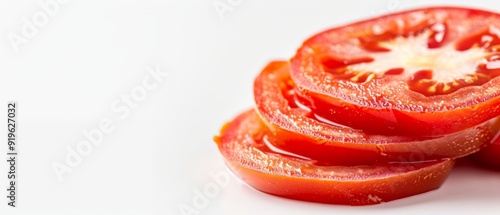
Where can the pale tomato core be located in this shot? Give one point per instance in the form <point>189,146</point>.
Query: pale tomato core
<point>412,54</point>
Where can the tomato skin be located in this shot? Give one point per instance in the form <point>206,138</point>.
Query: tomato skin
<point>353,193</point>
<point>490,156</point>
<point>239,143</point>
<point>394,108</point>
<point>292,131</point>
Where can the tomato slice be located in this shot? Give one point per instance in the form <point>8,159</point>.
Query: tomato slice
<point>429,72</point>
<point>245,152</point>
<point>297,130</point>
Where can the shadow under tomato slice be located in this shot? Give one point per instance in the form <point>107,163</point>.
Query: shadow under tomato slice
<point>429,72</point>
<point>242,146</point>
<point>297,130</point>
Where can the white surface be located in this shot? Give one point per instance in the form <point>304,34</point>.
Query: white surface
<point>91,52</point>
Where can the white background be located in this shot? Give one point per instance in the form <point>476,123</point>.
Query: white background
<point>68,75</point>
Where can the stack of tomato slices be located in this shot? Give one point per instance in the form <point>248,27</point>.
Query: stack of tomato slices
<point>373,111</point>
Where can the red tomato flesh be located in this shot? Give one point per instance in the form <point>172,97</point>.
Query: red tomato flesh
<point>247,155</point>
